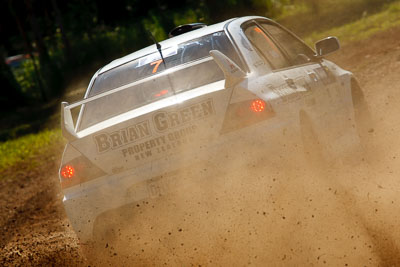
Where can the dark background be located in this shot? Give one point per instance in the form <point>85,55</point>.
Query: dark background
<point>59,40</point>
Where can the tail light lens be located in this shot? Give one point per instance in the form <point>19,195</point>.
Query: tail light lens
<point>67,171</point>
<point>245,113</point>
<point>258,105</point>
<point>79,170</point>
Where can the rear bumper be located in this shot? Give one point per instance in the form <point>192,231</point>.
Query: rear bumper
<point>266,141</point>
<point>269,143</point>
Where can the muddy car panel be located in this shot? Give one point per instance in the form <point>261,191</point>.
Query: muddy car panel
<point>118,158</point>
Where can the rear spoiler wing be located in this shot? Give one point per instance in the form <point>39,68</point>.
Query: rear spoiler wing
<point>233,75</point>
<point>67,124</point>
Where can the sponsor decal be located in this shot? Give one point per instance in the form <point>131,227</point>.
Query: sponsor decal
<point>292,90</point>
<point>159,145</point>
<point>166,120</point>
<point>105,141</point>
<point>285,94</point>
<point>303,86</point>
<point>175,127</point>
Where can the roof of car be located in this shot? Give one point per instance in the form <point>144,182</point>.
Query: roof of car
<point>165,44</point>
<point>173,41</point>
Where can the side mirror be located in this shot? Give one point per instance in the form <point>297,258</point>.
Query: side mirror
<point>232,72</point>
<point>327,46</point>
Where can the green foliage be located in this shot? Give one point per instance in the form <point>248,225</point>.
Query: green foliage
<point>28,149</point>
<point>104,45</point>
<point>189,16</point>
<point>27,79</point>
<point>49,74</point>
<point>362,28</point>
<point>307,16</point>
<point>271,8</point>
<point>153,25</point>
<point>292,10</point>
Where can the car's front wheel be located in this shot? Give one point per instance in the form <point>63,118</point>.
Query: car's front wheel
<point>313,150</point>
<point>362,116</point>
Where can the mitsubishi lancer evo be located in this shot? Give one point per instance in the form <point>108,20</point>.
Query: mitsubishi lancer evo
<point>243,85</point>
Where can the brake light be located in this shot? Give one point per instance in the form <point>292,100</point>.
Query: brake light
<point>245,113</point>
<point>257,105</point>
<point>163,92</point>
<point>67,171</point>
<point>77,171</point>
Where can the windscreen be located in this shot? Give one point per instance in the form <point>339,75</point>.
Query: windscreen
<point>146,80</point>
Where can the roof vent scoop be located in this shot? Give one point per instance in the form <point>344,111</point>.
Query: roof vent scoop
<point>185,28</point>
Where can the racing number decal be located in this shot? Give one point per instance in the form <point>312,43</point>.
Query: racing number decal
<point>156,63</point>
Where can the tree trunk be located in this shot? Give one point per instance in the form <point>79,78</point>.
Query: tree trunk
<point>59,20</point>
<point>41,47</point>
<point>11,95</point>
<point>47,68</point>
<point>29,50</point>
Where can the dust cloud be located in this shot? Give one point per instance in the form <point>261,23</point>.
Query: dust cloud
<point>249,212</point>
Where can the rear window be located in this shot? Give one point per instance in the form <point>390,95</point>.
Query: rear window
<point>146,80</point>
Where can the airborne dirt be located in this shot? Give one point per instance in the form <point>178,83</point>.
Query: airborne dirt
<point>349,215</point>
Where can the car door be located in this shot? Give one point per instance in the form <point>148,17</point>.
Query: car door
<point>298,82</point>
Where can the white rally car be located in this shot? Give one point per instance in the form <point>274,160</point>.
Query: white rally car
<point>243,84</point>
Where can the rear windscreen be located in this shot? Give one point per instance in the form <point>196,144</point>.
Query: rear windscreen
<point>189,66</point>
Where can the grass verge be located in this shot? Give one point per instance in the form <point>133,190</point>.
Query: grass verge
<point>363,28</point>
<point>25,154</point>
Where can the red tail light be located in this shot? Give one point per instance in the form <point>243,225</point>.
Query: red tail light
<point>257,105</point>
<point>67,171</point>
<point>246,113</point>
<point>79,170</point>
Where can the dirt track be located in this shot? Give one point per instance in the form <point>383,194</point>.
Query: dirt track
<point>347,216</point>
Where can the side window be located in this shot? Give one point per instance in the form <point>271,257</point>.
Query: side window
<point>297,51</point>
<point>266,47</point>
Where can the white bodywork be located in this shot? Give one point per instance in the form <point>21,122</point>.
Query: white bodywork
<point>185,128</point>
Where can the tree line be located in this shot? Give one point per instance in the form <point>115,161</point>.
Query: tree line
<point>59,38</point>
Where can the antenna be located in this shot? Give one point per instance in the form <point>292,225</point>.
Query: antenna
<point>158,48</point>
<point>162,57</point>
